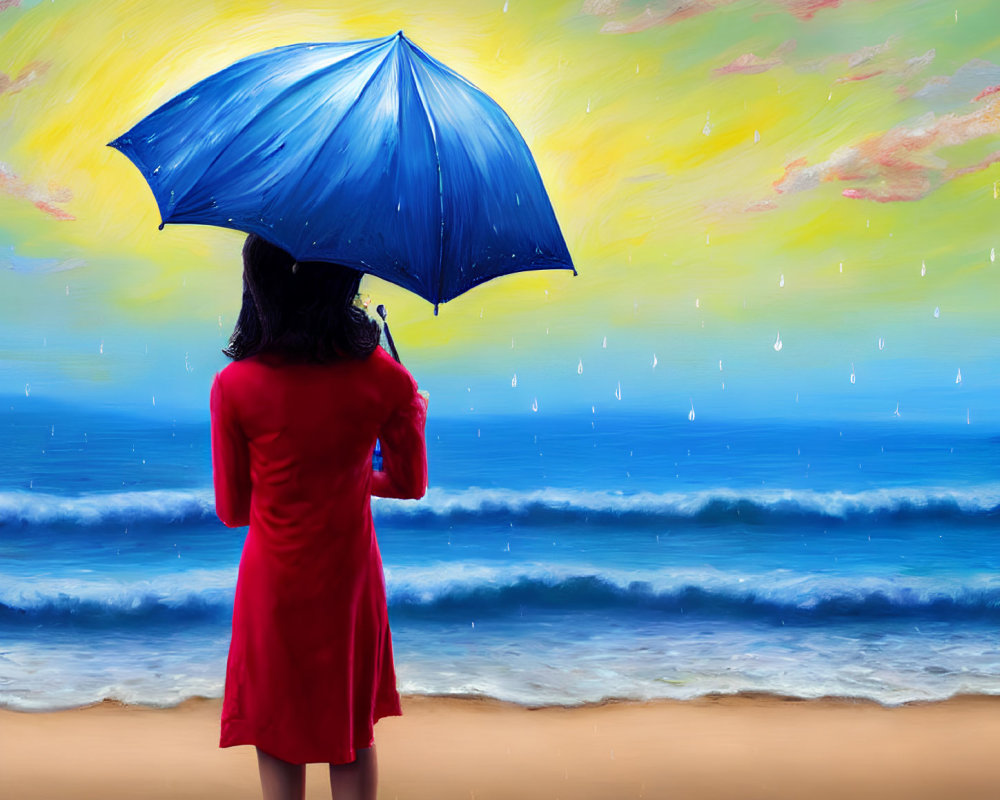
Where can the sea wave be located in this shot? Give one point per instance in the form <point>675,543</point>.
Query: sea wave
<point>545,506</point>
<point>166,505</point>
<point>723,504</point>
<point>452,590</point>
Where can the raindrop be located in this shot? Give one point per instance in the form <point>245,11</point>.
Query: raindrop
<point>720,365</point>
<point>841,266</point>
<point>708,125</point>
<point>778,344</point>
<point>896,412</point>
<point>220,322</point>
<point>513,381</point>
<point>655,362</point>
<point>618,391</point>
<point>27,390</point>
<point>756,137</point>
<point>604,344</point>
<point>830,96</point>
<point>154,400</point>
<point>881,343</point>
<point>697,302</point>
<point>958,377</point>
<point>968,421</point>
<point>708,239</point>
<point>511,342</point>
<point>505,5</point>
<point>691,412</point>
<point>993,254</point>
<point>937,312</point>
<point>854,377</point>
<point>101,349</point>
<point>588,105</point>
<point>781,282</point>
<point>923,268</point>
<point>579,368</point>
<point>53,431</point>
<point>534,404</point>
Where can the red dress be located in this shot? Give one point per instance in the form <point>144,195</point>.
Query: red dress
<point>310,664</point>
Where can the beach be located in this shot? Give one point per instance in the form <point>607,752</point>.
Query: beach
<point>721,605</point>
<point>737,746</point>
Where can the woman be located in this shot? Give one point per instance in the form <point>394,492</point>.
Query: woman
<point>294,421</point>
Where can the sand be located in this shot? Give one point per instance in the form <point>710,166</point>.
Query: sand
<point>745,746</point>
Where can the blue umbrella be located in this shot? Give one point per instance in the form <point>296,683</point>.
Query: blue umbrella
<point>370,154</point>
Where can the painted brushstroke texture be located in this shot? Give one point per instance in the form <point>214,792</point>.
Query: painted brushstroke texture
<point>11,260</point>
<point>902,164</point>
<point>707,176</point>
<point>45,199</point>
<point>674,11</point>
<point>27,76</point>
<point>859,65</point>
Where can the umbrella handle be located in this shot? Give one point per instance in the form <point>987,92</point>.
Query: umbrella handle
<point>388,336</point>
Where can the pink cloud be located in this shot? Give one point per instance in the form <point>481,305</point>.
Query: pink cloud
<point>5,4</point>
<point>27,76</point>
<point>901,164</point>
<point>748,64</point>
<point>986,93</point>
<point>45,200</point>
<point>669,12</point>
<point>862,77</point>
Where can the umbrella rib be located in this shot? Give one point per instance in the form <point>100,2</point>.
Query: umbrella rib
<point>283,94</point>
<point>437,162</point>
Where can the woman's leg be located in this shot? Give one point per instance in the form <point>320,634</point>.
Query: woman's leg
<point>357,780</point>
<point>279,779</point>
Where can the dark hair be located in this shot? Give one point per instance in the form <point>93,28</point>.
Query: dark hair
<point>303,310</point>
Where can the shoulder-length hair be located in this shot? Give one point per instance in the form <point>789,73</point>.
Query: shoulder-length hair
<point>302,310</point>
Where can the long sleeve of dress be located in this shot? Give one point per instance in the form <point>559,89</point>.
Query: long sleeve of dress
<point>230,462</point>
<point>404,452</point>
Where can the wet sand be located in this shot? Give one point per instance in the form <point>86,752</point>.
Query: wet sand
<point>745,746</point>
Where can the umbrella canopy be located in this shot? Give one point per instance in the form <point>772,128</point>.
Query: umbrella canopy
<point>370,154</point>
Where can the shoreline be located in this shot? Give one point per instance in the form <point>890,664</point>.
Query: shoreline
<point>752,745</point>
<point>711,698</point>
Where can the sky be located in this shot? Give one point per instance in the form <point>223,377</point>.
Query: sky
<point>777,208</point>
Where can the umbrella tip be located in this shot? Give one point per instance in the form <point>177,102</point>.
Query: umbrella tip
<point>399,34</point>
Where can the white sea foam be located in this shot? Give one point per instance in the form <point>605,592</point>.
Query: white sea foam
<point>484,586</point>
<point>174,505</point>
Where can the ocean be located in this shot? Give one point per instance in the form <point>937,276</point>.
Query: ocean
<point>554,560</point>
